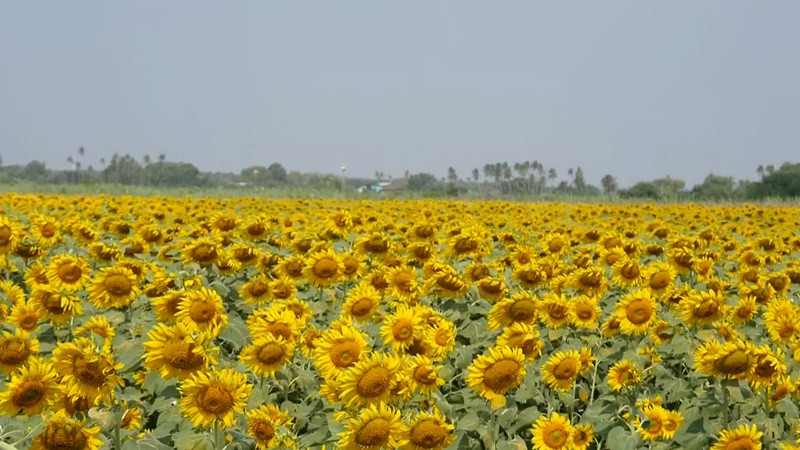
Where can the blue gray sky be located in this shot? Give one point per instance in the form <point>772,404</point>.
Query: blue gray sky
<point>638,89</point>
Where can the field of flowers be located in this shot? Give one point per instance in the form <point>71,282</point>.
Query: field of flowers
<point>159,323</point>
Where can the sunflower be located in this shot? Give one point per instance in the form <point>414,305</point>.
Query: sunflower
<point>636,312</point>
<point>323,268</point>
<point>493,375</point>
<point>552,433</point>
<point>659,277</point>
<point>309,340</point>
<point>744,311</point>
<point>9,233</point>
<point>113,287</point>
<point>733,359</point>
<point>768,369</point>
<point>266,355</point>
<point>362,302</point>
<point>743,438</point>
<point>671,424</point>
<point>99,326</point>
<point>590,281</point>
<point>131,417</point>
<point>524,337</point>
<point>376,427</point>
<point>25,315</point>
<point>202,310</point>
<point>30,390</point>
<point>530,275</point>
<point>264,424</point>
<point>610,327</point>
<point>337,350</point>
<point>582,436</point>
<point>655,416</point>
<point>86,371</point>
<point>203,251</point>
<point>781,389</point>
<point>291,267</point>
<point>427,431</point>
<point>369,380</point>
<point>402,281</point>
<point>35,275</point>
<point>555,310</point>
<point>217,395</point>
<point>492,288</point>
<point>661,332</point>
<point>64,432</point>
<point>400,329</point>
<point>68,272</point>
<point>166,306</point>
<point>173,351</point>
<point>256,291</point>
<point>446,284</point>
<point>626,273</point>
<point>782,320</point>
<point>72,405</point>
<point>276,321</point>
<point>562,369</point>
<point>521,308</point>
<point>11,292</point>
<point>441,339</point>
<point>623,374</point>
<point>58,307</point>
<point>703,307</point>
<point>17,350</point>
<point>585,312</point>
<point>283,288</point>
<point>423,376</point>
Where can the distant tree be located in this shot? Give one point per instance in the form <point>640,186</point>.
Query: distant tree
<point>162,157</point>
<point>422,182</point>
<point>552,174</point>
<point>642,189</point>
<point>277,173</point>
<point>760,171</point>
<point>668,187</point>
<point>714,187</point>
<point>34,171</point>
<point>476,174</point>
<point>580,181</point>
<point>609,184</point>
<point>452,176</point>
<point>784,182</point>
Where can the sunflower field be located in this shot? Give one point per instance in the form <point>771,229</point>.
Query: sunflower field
<point>161,323</point>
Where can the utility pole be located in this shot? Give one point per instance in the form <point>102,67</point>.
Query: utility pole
<point>344,172</point>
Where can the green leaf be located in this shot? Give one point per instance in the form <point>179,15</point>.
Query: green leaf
<point>620,438</point>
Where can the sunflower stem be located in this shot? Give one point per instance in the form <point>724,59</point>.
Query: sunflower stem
<point>725,411</point>
<point>117,437</point>
<point>219,442</point>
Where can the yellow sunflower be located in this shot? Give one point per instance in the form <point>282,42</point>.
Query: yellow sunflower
<point>521,308</point>
<point>524,337</point>
<point>11,292</point>
<point>493,375</point>
<point>369,380</point>
<point>427,431</point>
<point>552,433</point>
<point>671,424</point>
<point>733,359</point>
<point>590,281</point>
<point>703,307</point>
<point>636,312</point>
<point>25,315</point>
<point>30,390</point>
<point>623,374</point>
<point>782,320</point>
<point>585,312</point>
<point>17,350</point>
<point>58,307</point>
<point>201,310</point>
<point>582,436</point>
<point>203,251</point>
<point>626,273</point>
<point>441,339</point>
<point>402,280</point>
<point>276,321</point>
<point>377,427</point>
<point>400,329</point>
<point>768,368</point>
<point>555,310</point>
<point>323,268</point>
<point>337,350</point>
<point>659,277</point>
<point>446,284</point>
<point>68,272</point>
<point>166,306</point>
<point>423,375</point>
<point>562,369</point>
<point>362,302</point>
<point>131,417</point>
<point>86,371</point>
<point>64,432</point>
<point>173,351</point>
<point>492,288</point>
<point>113,287</point>
<point>746,437</point>
<point>217,395</point>
<point>265,424</point>
<point>266,355</point>
<point>256,291</point>
<point>99,326</point>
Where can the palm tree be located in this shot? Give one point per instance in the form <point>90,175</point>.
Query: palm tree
<point>476,174</point>
<point>609,185</point>
<point>162,157</point>
<point>760,171</point>
<point>552,174</point>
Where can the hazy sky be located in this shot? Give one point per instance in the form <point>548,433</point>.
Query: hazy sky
<point>639,89</point>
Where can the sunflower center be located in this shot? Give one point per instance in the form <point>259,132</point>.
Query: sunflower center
<point>529,347</point>
<point>427,434</point>
<point>256,229</point>
<point>325,267</point>
<point>61,436</point>
<point>294,268</point>
<point>52,302</point>
<point>566,369</point>
<point>270,353</point>
<point>555,437</point>
<point>28,393</point>
<point>639,311</point>
<point>374,433</point>
<point>492,287</point>
<point>350,266</point>
<point>425,375</point>
<point>345,354</point>
<point>181,355</point>
<point>28,321</point>
<point>361,307</point>
<point>591,280</point>
<point>630,271</point>
<point>258,289</point>
<point>660,280</point>
<point>403,330</point>
<point>89,372</point>
<point>655,426</point>
<point>5,235</point>
<point>558,312</point>
<point>374,382</point>
<point>442,337</point>
<point>202,312</point>
<point>403,282</point>
<point>584,312</point>
<point>501,375</point>
<point>764,369</point>
<point>204,253</point>
<point>69,272</point>
<point>48,230</point>
<point>742,443</point>
<point>733,363</point>
<point>523,310</point>
<point>706,309</point>
<point>216,399</point>
<point>117,284</point>
<point>14,353</point>
<point>263,431</point>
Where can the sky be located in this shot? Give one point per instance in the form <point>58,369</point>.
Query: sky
<point>636,89</point>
